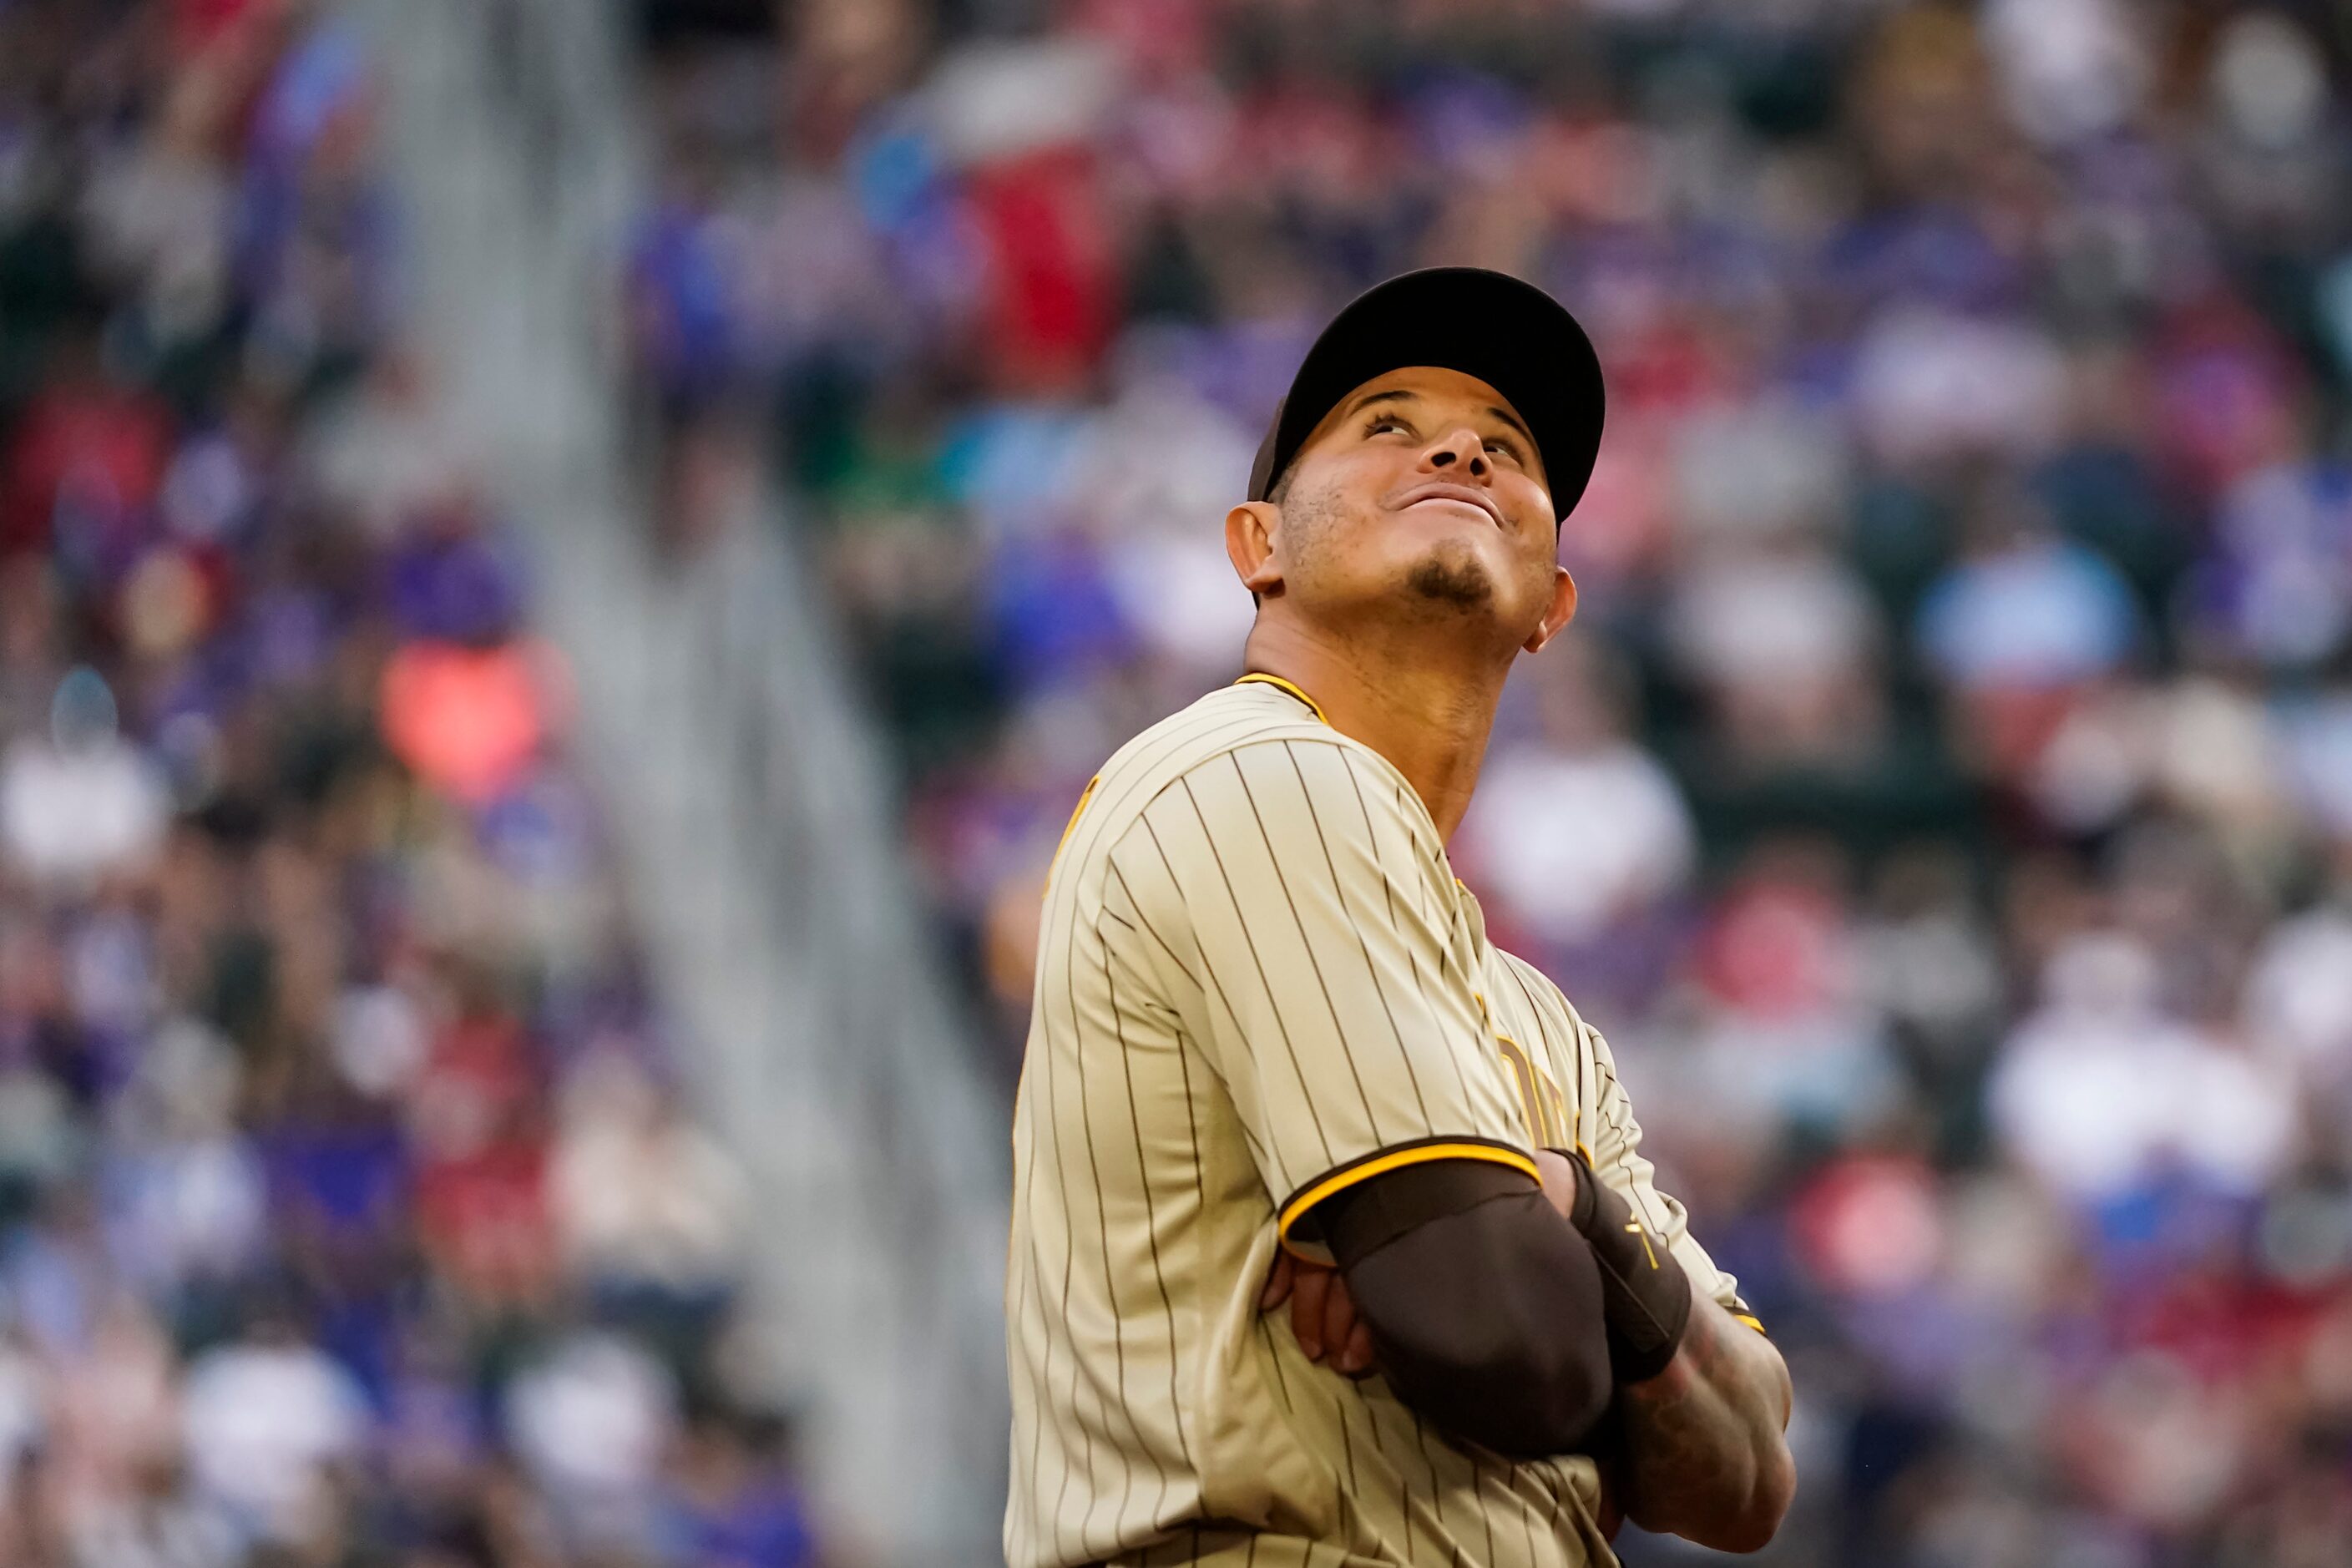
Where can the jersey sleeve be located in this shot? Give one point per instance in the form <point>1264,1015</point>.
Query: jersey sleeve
<point>1616,1158</point>
<point>1319,922</point>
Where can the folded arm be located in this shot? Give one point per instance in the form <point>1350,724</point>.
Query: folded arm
<point>1703,1456</point>
<point>1463,1287</point>
<point>1702,1398</point>
<point>1495,1314</point>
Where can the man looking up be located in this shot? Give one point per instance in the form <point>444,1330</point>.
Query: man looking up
<point>1273,1059</point>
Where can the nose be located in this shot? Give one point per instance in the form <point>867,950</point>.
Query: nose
<point>1461,449</point>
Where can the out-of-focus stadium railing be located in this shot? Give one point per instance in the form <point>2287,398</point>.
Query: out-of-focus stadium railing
<point>749,805</point>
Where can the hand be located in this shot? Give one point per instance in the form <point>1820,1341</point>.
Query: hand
<point>1559,1181</point>
<point>1322,1314</point>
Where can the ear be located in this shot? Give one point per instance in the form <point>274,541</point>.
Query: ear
<point>1249,545</point>
<point>1562,611</point>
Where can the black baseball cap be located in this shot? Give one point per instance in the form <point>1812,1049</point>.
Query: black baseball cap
<point>1510,334</point>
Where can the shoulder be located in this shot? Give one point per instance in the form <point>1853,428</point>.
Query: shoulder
<point>1225,720</point>
<point>1239,745</point>
<point>1246,795</point>
<point>1549,1000</point>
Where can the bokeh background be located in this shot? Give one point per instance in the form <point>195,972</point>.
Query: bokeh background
<point>562,566</point>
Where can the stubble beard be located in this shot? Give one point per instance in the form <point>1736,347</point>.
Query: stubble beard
<point>1451,579</point>
<point>1449,582</point>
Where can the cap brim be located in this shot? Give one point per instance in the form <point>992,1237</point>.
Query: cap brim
<point>1508,333</point>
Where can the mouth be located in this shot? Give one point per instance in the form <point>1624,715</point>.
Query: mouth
<point>1463,494</point>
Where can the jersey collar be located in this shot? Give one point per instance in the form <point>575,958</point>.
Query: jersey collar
<point>1262,678</point>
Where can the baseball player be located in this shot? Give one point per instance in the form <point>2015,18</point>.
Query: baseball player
<point>1331,1239</point>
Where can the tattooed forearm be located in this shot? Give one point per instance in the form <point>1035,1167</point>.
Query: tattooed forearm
<point>1702,1454</point>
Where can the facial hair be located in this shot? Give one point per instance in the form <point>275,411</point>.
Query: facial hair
<point>1449,579</point>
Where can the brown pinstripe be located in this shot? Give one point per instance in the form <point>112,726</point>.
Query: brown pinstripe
<point>1257,971</point>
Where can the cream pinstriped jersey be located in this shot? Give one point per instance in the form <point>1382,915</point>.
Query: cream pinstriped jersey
<point>1258,981</point>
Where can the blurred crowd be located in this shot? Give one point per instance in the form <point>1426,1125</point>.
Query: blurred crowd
<point>349,1218</point>
<point>1944,803</point>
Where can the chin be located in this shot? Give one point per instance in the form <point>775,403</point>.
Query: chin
<point>1455,574</point>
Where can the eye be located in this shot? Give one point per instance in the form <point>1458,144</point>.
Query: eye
<point>1507,447</point>
<point>1380,421</point>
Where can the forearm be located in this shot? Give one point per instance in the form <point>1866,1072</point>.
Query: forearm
<point>1701,1397</point>
<point>1703,1452</point>
<point>1463,1276</point>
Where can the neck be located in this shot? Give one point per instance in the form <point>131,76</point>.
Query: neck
<point>1428,710</point>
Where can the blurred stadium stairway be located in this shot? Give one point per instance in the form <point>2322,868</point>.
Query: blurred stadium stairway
<point>748,802</point>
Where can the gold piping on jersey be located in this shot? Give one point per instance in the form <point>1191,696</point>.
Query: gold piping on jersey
<point>1247,983</point>
<point>1394,1159</point>
<point>1751,1322</point>
<point>1260,677</point>
<point>1070,826</point>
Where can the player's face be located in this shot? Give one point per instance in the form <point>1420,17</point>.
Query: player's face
<point>1421,495</point>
